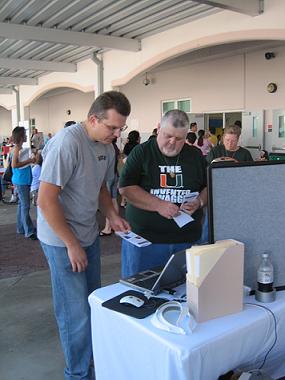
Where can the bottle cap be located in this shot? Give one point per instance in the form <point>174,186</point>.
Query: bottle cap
<point>265,254</point>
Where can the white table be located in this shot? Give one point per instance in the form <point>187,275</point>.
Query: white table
<point>126,348</point>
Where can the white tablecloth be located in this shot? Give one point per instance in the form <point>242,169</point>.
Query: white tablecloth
<point>126,348</point>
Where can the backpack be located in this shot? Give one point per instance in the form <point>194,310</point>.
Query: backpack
<point>7,176</point>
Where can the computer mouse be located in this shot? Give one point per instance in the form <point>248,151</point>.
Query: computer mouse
<point>132,300</point>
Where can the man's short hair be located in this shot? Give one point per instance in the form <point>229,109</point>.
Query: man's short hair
<point>110,100</point>
<point>177,118</point>
<point>191,137</point>
<point>193,124</point>
<point>238,123</point>
<point>18,134</point>
<point>133,136</point>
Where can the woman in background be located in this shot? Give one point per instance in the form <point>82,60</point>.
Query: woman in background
<point>134,139</point>
<point>229,149</point>
<point>22,178</point>
<point>203,143</point>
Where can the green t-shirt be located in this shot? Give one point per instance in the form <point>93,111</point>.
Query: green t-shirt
<point>147,167</point>
<point>218,151</point>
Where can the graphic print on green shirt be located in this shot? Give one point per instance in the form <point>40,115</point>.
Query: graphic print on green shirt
<point>170,179</point>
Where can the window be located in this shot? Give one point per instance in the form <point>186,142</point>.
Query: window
<point>168,106</point>
<point>181,104</point>
<point>184,105</point>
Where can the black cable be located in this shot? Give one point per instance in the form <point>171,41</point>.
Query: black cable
<point>275,329</point>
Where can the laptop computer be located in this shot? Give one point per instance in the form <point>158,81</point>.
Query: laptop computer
<point>156,279</point>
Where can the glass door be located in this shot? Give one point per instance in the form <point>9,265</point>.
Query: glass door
<point>278,132</point>
<point>252,135</point>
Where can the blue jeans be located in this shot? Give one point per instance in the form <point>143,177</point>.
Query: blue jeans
<point>70,298</point>
<point>136,259</point>
<point>24,221</point>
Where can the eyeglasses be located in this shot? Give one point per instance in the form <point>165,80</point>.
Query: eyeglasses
<point>114,129</point>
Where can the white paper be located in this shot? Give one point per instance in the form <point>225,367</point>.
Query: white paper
<point>133,238</point>
<point>24,155</point>
<point>190,197</point>
<point>182,219</point>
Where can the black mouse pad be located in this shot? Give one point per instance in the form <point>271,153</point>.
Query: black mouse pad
<point>147,309</point>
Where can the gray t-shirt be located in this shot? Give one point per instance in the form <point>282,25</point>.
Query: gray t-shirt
<point>79,166</point>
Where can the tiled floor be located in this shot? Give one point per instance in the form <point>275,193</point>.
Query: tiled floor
<point>29,344</point>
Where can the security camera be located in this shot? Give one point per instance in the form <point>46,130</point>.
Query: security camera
<point>146,81</point>
<point>269,55</point>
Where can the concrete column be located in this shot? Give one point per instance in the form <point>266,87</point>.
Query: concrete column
<point>19,105</point>
<point>100,73</point>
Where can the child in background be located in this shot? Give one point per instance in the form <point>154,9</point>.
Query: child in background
<point>36,172</point>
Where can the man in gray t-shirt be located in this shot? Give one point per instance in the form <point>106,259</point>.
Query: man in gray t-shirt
<point>77,163</point>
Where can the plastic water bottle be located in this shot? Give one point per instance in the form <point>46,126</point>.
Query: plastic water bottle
<point>265,274</point>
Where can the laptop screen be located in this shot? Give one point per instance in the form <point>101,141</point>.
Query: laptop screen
<point>173,273</point>
<point>154,279</point>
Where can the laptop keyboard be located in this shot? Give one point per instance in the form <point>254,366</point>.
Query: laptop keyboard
<point>147,283</point>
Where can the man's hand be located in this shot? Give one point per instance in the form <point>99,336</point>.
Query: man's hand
<point>119,224</point>
<point>167,209</point>
<point>78,258</point>
<point>191,207</point>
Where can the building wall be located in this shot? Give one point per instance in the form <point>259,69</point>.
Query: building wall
<point>50,114</point>
<point>5,123</point>
<point>121,66</point>
<point>219,86</point>
<point>226,84</point>
<point>220,28</point>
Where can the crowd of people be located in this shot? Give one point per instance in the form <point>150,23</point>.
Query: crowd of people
<point>8,147</point>
<point>81,170</point>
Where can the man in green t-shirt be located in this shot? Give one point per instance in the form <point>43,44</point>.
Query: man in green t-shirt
<point>156,178</point>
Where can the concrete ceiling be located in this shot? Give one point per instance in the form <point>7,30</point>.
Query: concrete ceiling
<point>38,37</point>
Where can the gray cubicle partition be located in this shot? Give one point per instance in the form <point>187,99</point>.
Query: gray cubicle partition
<point>247,203</point>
